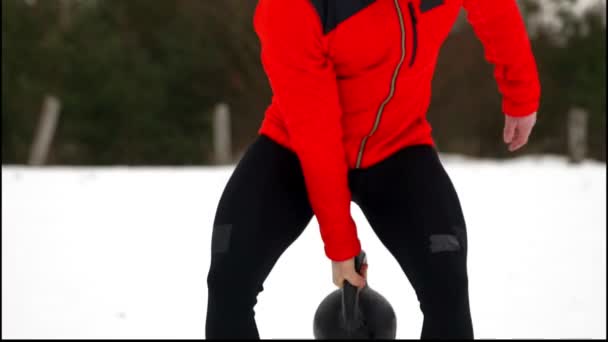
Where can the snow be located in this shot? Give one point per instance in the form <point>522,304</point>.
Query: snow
<point>123,253</point>
<point>548,16</point>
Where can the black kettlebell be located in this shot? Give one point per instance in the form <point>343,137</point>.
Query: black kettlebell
<point>353,313</point>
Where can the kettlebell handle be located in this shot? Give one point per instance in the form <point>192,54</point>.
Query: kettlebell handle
<point>350,298</point>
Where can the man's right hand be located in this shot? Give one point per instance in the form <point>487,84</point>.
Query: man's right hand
<point>345,270</point>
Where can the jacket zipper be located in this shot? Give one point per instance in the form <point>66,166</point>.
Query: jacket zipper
<point>415,31</point>
<point>393,84</point>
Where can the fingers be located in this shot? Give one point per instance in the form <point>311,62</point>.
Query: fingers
<point>517,131</point>
<point>509,131</point>
<point>345,270</point>
<point>364,271</point>
<point>355,279</point>
<point>520,140</point>
<point>522,136</point>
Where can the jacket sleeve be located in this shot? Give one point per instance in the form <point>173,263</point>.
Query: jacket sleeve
<point>304,86</point>
<point>499,26</point>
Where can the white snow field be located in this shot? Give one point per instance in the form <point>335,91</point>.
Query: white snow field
<point>124,253</point>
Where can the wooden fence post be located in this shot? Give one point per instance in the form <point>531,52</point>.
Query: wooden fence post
<point>221,134</point>
<point>577,134</point>
<point>46,130</point>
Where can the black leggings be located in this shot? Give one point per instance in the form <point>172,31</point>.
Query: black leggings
<point>408,199</point>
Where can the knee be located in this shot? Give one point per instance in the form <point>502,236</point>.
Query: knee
<point>223,278</point>
<point>219,277</point>
<point>231,283</point>
<point>448,273</point>
<point>446,291</point>
<point>446,279</point>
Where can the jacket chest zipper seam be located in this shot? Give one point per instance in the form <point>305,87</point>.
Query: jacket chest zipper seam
<point>394,78</point>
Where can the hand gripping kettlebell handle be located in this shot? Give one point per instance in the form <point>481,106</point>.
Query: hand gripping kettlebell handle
<point>350,298</point>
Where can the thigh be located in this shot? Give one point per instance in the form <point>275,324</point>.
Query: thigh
<point>412,206</point>
<point>263,209</point>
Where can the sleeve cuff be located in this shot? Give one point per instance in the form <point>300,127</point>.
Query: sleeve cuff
<point>519,109</point>
<point>344,251</point>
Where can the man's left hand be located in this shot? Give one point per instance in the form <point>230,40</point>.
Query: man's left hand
<point>517,130</point>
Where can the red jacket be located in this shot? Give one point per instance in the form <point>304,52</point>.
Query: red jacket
<point>351,82</point>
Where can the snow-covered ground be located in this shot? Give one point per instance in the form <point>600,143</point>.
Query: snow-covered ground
<point>548,16</point>
<point>124,252</point>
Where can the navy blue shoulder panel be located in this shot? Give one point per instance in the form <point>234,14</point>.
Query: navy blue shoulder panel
<point>333,12</point>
